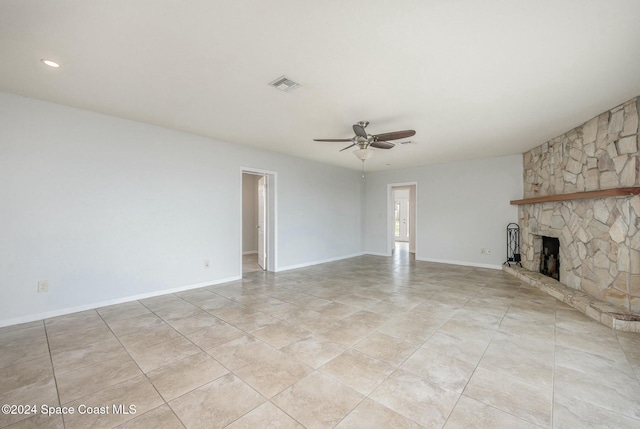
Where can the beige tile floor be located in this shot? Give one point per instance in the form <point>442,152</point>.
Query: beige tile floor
<point>369,342</point>
<point>250,263</point>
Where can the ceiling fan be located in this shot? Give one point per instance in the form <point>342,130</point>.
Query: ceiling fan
<point>366,141</point>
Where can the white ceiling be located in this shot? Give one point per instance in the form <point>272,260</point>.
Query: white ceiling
<point>474,78</point>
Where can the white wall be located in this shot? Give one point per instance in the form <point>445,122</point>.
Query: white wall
<point>249,213</point>
<point>107,209</point>
<point>462,208</point>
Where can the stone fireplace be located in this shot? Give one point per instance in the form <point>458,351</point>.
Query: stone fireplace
<point>598,237</point>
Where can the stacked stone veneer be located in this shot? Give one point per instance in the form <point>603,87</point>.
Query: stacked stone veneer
<point>599,237</point>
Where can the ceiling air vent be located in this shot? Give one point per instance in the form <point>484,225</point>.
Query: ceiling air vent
<point>284,84</point>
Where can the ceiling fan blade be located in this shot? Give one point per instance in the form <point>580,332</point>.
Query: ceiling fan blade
<point>381,145</point>
<point>331,140</point>
<point>359,130</point>
<point>394,135</point>
<point>352,145</point>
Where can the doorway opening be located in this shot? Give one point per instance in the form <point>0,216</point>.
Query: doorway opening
<point>403,211</point>
<point>258,221</point>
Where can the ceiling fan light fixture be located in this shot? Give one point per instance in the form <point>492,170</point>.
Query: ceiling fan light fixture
<point>363,154</point>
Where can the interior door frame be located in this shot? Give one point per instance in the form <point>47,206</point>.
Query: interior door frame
<point>263,254</point>
<point>390,218</point>
<point>271,210</point>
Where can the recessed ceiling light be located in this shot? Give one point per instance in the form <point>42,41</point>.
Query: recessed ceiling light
<point>50,63</point>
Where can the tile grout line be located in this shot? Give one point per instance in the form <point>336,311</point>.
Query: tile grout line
<point>170,363</point>
<point>397,367</point>
<point>53,369</point>
<point>478,364</point>
<point>206,353</point>
<point>476,367</point>
<point>179,360</point>
<point>553,373</point>
<point>134,361</point>
<point>626,356</point>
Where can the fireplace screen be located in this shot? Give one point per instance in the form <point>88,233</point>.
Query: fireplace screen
<point>550,257</point>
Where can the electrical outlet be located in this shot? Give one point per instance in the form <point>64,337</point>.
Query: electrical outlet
<point>43,286</point>
<point>207,264</point>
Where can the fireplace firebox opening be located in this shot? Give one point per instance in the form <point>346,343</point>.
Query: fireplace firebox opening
<point>550,257</point>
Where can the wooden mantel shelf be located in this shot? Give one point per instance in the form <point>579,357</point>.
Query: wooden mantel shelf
<point>617,192</point>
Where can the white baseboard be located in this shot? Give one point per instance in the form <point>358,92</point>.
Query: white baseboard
<point>69,310</point>
<point>467,264</point>
<point>377,254</point>
<point>323,261</point>
<point>250,252</point>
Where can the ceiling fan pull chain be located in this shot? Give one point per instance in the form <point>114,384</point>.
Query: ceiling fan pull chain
<point>363,168</point>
